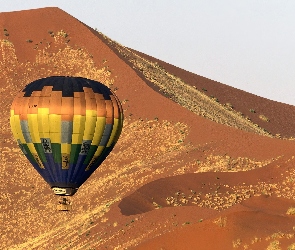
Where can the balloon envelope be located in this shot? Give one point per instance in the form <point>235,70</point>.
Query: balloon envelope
<point>66,127</point>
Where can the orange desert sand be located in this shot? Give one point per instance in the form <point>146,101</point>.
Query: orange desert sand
<point>199,164</point>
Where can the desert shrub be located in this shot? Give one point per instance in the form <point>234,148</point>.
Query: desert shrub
<point>220,221</point>
<point>263,118</point>
<point>237,243</point>
<point>62,33</point>
<point>228,106</point>
<point>274,245</point>
<point>214,98</point>
<point>291,211</point>
<point>51,33</point>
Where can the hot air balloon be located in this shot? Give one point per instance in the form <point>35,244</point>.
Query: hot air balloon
<point>66,127</point>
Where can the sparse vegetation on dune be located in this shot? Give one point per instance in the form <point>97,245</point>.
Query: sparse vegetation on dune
<point>187,96</point>
<point>291,211</point>
<point>57,58</point>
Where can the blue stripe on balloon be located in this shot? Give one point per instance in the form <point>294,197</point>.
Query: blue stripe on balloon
<point>79,176</point>
<point>51,165</point>
<point>48,171</point>
<point>73,174</point>
<point>63,173</point>
<point>70,172</point>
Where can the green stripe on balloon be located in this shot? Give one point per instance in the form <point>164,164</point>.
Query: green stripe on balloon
<point>56,151</point>
<point>90,154</point>
<point>40,151</point>
<point>75,150</point>
<point>29,153</point>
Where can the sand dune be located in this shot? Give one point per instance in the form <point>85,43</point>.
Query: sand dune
<point>191,169</point>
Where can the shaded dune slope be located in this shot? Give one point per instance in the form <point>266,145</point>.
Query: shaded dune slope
<point>245,227</point>
<point>281,115</point>
<point>192,189</point>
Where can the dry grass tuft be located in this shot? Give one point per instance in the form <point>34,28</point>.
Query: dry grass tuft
<point>274,245</point>
<point>291,211</point>
<point>264,118</point>
<point>220,221</point>
<point>237,243</point>
<point>291,247</point>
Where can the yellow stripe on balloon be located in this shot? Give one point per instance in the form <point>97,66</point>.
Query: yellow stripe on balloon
<point>38,160</point>
<point>32,148</point>
<point>97,154</point>
<point>78,124</point>
<point>90,123</point>
<point>13,125</point>
<point>44,111</point>
<point>78,129</point>
<point>98,151</point>
<point>43,124</point>
<point>54,128</point>
<point>114,131</point>
<point>65,148</point>
<point>54,123</point>
<point>55,137</point>
<point>33,127</point>
<point>91,112</point>
<point>99,128</point>
<point>18,129</point>
<point>77,138</point>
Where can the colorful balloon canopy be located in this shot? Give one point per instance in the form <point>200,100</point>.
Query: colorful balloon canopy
<point>66,127</point>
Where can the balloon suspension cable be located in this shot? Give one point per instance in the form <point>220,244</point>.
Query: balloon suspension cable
<point>64,204</point>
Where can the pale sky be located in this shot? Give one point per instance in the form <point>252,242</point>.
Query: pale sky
<point>247,44</point>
